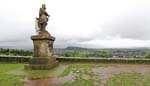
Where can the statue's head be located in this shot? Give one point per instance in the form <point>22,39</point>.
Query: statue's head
<point>44,6</point>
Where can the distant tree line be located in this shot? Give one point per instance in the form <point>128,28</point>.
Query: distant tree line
<point>147,55</point>
<point>15,52</point>
<point>101,54</point>
<point>75,53</point>
<point>70,53</point>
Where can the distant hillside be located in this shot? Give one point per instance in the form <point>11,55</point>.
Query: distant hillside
<point>70,48</point>
<point>75,48</point>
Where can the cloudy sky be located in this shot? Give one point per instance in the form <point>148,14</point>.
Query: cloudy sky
<point>84,23</point>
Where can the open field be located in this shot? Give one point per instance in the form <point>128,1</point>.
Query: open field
<point>76,74</point>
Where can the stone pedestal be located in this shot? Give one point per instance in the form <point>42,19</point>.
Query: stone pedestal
<point>43,57</point>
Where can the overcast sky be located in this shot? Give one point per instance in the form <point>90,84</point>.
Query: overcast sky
<point>84,23</point>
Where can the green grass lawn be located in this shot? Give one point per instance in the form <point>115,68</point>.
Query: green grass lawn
<point>9,79</point>
<point>81,69</point>
<point>129,79</point>
<point>123,79</point>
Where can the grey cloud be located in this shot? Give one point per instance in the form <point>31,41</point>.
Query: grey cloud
<point>132,26</point>
<point>17,25</point>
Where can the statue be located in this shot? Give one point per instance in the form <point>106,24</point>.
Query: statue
<point>43,18</point>
<point>43,56</point>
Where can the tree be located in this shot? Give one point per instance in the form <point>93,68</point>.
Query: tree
<point>147,55</point>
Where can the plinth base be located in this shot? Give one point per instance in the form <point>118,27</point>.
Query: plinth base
<point>43,57</point>
<point>41,63</point>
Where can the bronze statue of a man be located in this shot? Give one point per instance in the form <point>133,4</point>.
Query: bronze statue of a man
<point>43,18</point>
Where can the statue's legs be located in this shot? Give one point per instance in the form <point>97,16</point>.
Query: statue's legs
<point>43,27</point>
<point>43,22</point>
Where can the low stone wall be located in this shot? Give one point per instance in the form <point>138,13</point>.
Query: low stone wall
<point>69,59</point>
<point>114,60</point>
<point>14,58</point>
